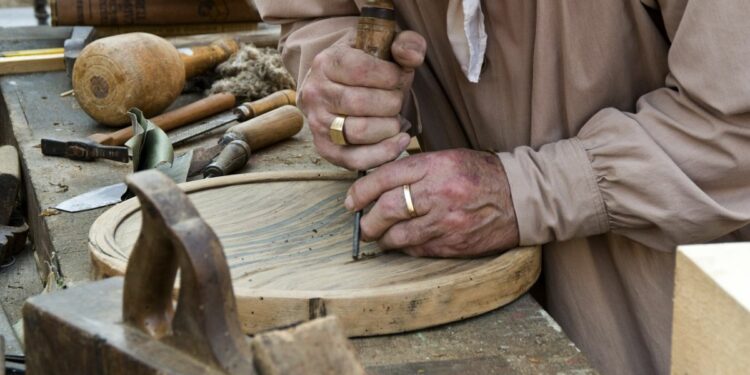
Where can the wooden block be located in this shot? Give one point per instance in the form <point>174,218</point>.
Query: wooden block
<point>10,182</point>
<point>711,327</point>
<point>316,347</point>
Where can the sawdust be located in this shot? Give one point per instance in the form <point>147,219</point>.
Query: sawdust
<point>47,212</point>
<point>253,73</point>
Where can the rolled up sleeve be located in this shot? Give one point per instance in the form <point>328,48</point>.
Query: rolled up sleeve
<point>675,171</point>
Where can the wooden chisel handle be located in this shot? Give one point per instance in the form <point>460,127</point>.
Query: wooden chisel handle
<point>278,99</point>
<point>188,114</point>
<point>253,135</point>
<point>377,28</point>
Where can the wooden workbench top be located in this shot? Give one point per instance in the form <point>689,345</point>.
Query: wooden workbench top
<point>519,338</point>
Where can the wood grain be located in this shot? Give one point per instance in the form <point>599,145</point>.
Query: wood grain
<point>711,321</point>
<point>287,238</point>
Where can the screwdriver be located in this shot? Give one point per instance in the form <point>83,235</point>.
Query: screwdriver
<point>375,33</point>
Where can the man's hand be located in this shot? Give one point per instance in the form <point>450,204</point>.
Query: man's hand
<point>344,81</point>
<point>462,199</point>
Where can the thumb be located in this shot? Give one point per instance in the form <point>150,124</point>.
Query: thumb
<point>408,49</point>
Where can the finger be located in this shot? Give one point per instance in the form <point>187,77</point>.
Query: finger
<point>390,176</point>
<point>409,49</point>
<point>370,130</point>
<point>409,234</point>
<point>390,209</point>
<point>362,158</point>
<point>352,67</point>
<point>362,101</point>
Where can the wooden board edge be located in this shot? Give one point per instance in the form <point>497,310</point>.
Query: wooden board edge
<point>367,316</point>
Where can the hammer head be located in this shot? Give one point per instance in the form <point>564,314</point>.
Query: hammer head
<point>79,38</point>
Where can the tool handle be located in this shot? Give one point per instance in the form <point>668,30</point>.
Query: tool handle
<point>200,59</point>
<point>253,135</point>
<point>232,158</point>
<point>171,120</point>
<point>174,236</point>
<point>278,99</point>
<point>269,128</point>
<point>377,28</point>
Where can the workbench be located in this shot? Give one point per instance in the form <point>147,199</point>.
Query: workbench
<point>520,338</point>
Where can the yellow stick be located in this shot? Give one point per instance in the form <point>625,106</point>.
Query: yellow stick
<point>32,52</point>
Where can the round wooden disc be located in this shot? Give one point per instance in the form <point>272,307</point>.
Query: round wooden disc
<point>288,240</point>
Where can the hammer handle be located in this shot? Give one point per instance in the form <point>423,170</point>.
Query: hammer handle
<point>188,114</point>
<point>200,59</point>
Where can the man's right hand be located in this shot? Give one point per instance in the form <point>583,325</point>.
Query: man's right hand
<point>369,92</point>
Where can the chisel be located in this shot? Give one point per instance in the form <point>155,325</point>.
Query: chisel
<point>375,33</point>
<point>208,106</point>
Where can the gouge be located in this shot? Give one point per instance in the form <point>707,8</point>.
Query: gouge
<point>375,33</point>
<point>234,148</point>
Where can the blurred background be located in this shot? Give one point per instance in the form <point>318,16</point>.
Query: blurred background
<point>21,13</point>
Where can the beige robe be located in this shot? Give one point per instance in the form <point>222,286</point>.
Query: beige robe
<point>624,127</point>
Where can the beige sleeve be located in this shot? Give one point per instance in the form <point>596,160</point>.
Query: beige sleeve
<point>676,171</point>
<point>308,27</point>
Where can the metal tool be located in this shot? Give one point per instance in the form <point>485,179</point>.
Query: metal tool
<point>151,150</point>
<point>230,154</point>
<point>214,105</point>
<point>375,33</point>
<point>234,148</point>
<point>84,150</point>
<point>244,112</point>
<point>79,39</point>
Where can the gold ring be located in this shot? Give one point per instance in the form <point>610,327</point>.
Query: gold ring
<point>409,202</point>
<point>336,132</point>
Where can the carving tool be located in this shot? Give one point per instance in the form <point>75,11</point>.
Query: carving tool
<point>230,154</point>
<point>375,33</point>
<point>215,105</point>
<point>234,148</point>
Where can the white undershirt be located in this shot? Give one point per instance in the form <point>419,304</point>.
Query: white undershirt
<point>467,35</point>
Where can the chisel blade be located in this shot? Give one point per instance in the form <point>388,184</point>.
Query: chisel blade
<point>181,136</point>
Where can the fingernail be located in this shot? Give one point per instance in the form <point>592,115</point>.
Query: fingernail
<point>349,203</point>
<point>404,141</point>
<point>413,47</point>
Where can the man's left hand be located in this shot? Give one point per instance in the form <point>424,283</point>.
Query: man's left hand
<point>461,198</point>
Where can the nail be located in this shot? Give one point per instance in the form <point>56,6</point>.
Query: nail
<point>349,203</point>
<point>404,141</point>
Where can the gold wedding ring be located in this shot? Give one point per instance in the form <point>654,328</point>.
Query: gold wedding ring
<point>336,132</point>
<point>409,202</point>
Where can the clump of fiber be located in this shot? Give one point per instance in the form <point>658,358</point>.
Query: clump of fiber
<point>253,73</point>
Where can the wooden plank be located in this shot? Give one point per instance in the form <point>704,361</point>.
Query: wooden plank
<point>32,64</point>
<point>287,238</point>
<point>711,327</point>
